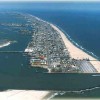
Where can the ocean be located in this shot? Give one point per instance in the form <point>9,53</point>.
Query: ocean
<point>80,21</point>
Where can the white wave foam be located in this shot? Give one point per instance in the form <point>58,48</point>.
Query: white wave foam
<point>78,92</point>
<point>79,46</point>
<point>52,96</point>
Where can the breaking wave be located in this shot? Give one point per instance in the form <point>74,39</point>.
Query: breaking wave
<point>77,45</point>
<point>77,92</point>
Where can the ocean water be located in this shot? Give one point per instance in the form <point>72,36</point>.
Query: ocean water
<point>82,27</point>
<point>81,21</point>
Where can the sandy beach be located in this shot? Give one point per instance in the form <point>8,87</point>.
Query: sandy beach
<point>25,95</point>
<point>75,52</point>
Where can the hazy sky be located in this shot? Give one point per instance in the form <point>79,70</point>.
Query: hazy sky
<point>52,0</point>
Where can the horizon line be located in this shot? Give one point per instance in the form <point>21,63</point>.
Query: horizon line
<point>51,1</point>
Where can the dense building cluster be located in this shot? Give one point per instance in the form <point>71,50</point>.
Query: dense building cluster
<point>48,50</point>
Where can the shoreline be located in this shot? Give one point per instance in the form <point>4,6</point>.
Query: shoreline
<point>77,45</point>
<point>76,52</point>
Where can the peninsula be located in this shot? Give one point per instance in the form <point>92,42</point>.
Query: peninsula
<point>51,49</point>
